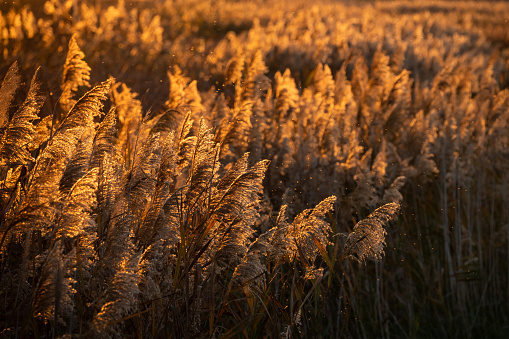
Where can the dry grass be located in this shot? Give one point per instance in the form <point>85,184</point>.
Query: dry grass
<point>211,169</point>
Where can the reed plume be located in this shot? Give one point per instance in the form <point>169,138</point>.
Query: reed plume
<point>367,240</point>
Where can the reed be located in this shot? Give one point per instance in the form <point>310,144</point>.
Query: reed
<point>254,189</point>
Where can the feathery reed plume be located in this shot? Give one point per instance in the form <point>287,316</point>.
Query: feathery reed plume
<point>323,83</point>
<point>233,131</point>
<point>234,69</point>
<point>250,272</point>
<point>105,139</point>
<point>76,74</point>
<point>166,122</point>
<point>186,142</point>
<point>367,240</point>
<point>42,133</point>
<point>129,115</point>
<point>14,143</point>
<point>119,298</point>
<point>52,299</point>
<point>309,229</point>
<point>379,166</point>
<point>78,204</point>
<point>359,82</point>
<point>235,202</point>
<point>36,210</point>
<point>305,237</point>
<point>255,80</point>
<point>183,92</point>
<point>276,242</point>
<point>155,223</point>
<point>239,187</point>
<point>365,193</point>
<point>78,164</point>
<point>286,94</point>
<point>109,187</point>
<point>49,288</point>
<point>393,194</point>
<point>204,164</point>
<point>139,182</point>
<point>10,85</point>
<point>168,168</point>
<point>89,106</point>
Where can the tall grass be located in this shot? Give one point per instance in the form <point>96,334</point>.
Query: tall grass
<point>247,192</point>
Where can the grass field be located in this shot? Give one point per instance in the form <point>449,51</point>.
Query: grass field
<point>254,169</point>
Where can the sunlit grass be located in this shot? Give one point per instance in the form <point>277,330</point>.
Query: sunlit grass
<point>249,169</point>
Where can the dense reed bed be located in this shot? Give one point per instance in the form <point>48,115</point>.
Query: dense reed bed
<point>254,169</point>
